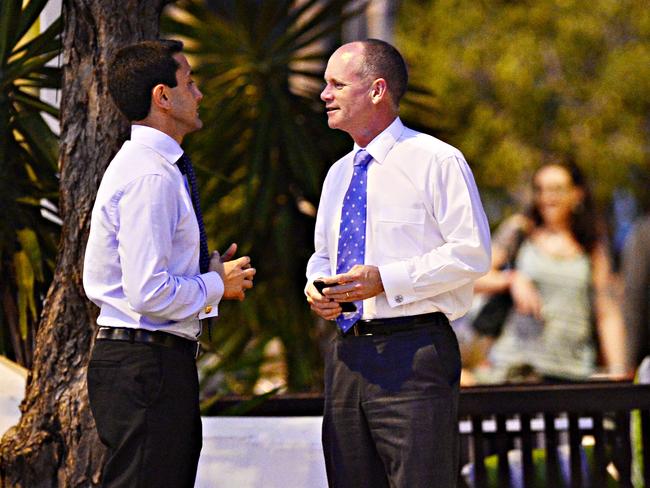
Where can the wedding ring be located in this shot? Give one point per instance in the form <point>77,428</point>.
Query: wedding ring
<point>347,294</point>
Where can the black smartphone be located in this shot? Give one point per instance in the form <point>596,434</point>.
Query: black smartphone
<point>345,306</point>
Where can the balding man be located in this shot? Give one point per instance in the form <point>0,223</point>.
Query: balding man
<point>401,234</point>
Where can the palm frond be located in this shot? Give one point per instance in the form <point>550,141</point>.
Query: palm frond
<point>28,166</point>
<point>263,143</point>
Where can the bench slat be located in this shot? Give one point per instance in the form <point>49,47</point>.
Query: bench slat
<point>623,449</point>
<point>575,458</point>
<point>503,445</point>
<point>480,474</point>
<point>600,461</point>
<point>527,451</point>
<point>551,444</point>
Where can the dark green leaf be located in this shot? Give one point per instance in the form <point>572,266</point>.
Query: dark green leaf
<point>29,15</point>
<point>9,13</point>
<point>33,102</point>
<point>47,42</point>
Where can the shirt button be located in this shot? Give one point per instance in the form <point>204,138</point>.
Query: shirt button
<point>399,298</point>
<point>208,309</point>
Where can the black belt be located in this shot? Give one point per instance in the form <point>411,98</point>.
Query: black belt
<point>149,337</point>
<point>391,325</point>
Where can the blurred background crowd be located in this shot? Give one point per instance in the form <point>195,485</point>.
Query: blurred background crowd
<point>557,305</point>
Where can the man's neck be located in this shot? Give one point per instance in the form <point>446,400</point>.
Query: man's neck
<point>161,125</point>
<point>368,133</point>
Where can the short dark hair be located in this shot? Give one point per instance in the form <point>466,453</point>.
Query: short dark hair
<point>380,59</point>
<point>136,69</point>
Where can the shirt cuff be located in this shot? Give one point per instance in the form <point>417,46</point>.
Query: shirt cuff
<point>312,278</point>
<point>214,288</point>
<point>397,284</point>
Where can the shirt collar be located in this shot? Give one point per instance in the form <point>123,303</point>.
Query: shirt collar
<point>381,145</point>
<point>157,140</point>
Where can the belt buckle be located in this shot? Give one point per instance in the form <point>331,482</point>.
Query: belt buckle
<point>358,333</point>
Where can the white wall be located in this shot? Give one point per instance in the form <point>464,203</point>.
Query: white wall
<point>50,13</point>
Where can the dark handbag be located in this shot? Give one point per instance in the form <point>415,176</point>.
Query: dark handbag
<point>490,319</point>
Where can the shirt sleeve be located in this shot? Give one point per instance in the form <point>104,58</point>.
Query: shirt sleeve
<point>149,212</point>
<point>464,254</point>
<point>319,264</point>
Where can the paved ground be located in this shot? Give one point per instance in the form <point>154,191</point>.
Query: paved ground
<point>246,452</point>
<point>12,390</point>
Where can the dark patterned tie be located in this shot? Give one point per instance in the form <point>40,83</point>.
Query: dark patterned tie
<point>352,234</point>
<point>185,165</point>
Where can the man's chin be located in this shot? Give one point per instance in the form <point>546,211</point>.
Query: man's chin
<point>336,125</point>
<point>198,124</point>
<point>332,123</point>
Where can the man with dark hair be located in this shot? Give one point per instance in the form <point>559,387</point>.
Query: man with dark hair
<point>401,234</point>
<point>148,268</point>
<point>136,69</point>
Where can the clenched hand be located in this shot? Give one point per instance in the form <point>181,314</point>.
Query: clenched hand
<point>237,274</point>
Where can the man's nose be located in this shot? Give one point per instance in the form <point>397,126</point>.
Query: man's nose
<point>326,95</point>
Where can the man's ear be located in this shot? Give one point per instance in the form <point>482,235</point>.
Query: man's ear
<point>159,97</point>
<point>378,90</point>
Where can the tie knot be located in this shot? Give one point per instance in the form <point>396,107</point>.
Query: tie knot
<point>362,158</point>
<point>183,163</point>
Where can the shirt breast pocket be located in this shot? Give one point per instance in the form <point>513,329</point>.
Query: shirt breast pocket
<point>399,232</point>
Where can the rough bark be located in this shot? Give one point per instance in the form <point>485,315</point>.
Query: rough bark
<point>55,444</point>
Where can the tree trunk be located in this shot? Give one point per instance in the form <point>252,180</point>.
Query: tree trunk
<point>55,443</point>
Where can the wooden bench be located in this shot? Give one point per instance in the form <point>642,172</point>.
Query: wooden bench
<point>599,410</point>
<point>527,417</point>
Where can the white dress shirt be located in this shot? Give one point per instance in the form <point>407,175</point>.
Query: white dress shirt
<point>426,230</point>
<point>142,260</point>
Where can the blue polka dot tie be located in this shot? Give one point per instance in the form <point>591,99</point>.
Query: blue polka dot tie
<point>185,165</point>
<point>352,233</point>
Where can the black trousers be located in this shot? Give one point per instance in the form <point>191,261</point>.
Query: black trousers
<point>391,405</point>
<point>145,401</point>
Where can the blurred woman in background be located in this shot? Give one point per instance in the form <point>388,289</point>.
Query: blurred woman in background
<point>561,285</point>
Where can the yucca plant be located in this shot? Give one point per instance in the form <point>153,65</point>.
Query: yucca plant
<point>28,167</point>
<point>262,155</point>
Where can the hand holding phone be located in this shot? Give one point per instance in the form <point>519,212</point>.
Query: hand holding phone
<point>345,306</point>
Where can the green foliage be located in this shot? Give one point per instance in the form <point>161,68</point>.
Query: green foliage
<point>28,166</point>
<point>261,158</point>
<point>540,477</point>
<point>517,83</point>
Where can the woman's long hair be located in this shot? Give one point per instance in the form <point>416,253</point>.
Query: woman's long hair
<point>585,224</point>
